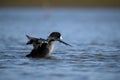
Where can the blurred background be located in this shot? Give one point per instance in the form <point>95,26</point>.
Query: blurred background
<point>92,27</point>
<point>61,3</point>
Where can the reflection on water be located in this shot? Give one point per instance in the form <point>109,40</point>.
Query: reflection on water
<point>94,34</point>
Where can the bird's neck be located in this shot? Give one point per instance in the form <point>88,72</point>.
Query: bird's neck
<point>51,45</point>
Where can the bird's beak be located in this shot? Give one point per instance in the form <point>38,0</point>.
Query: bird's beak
<point>60,40</point>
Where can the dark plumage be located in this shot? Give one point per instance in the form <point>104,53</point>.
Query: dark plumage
<point>40,52</point>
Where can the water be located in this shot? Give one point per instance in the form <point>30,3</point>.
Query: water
<point>93,33</point>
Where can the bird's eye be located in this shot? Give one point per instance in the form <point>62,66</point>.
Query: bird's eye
<point>58,36</point>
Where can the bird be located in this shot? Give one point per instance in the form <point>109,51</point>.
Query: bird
<point>43,47</point>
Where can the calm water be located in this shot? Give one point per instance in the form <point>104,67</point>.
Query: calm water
<point>94,34</point>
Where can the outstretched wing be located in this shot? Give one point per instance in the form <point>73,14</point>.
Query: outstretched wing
<point>35,41</point>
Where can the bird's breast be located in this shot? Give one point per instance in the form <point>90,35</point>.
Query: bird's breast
<point>51,47</point>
